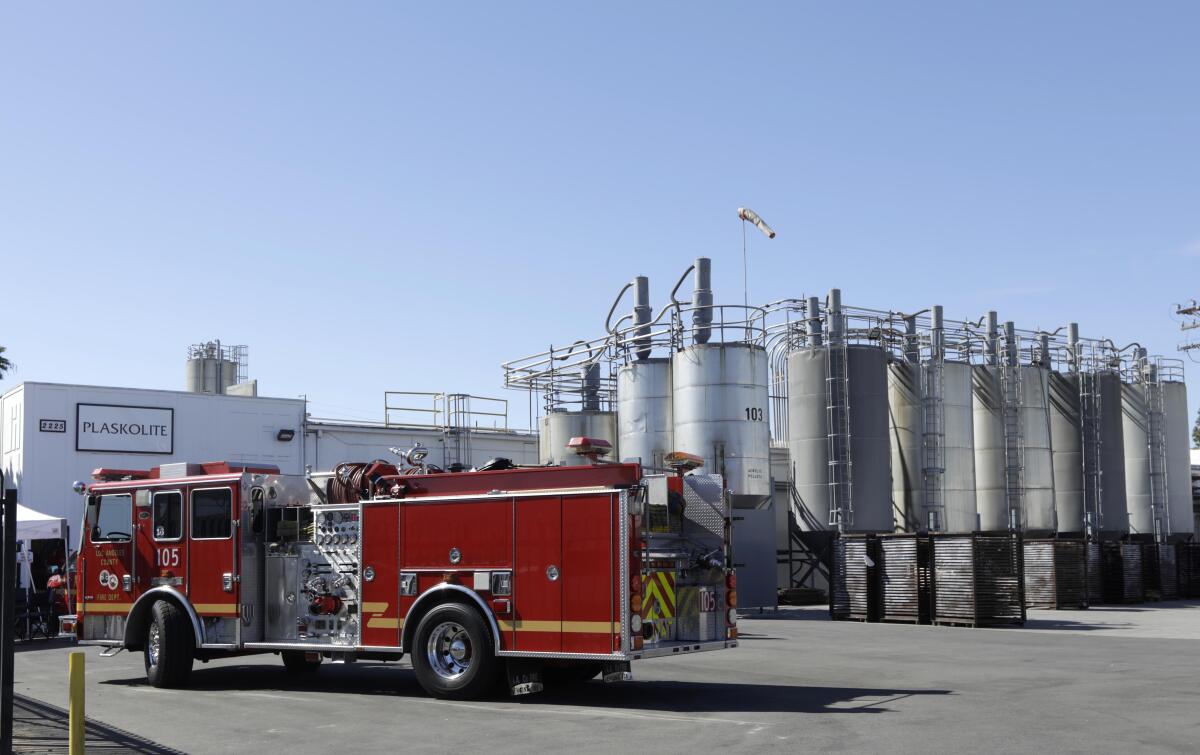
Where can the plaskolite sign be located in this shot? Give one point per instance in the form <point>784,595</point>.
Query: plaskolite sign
<point>124,429</point>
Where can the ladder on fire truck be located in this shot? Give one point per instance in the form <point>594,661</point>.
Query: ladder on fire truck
<point>1090,416</point>
<point>1156,441</point>
<point>837,414</point>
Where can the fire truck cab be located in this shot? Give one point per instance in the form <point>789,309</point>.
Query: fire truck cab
<point>536,574</point>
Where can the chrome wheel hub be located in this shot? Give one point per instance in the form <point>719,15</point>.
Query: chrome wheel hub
<point>449,650</point>
<point>154,644</point>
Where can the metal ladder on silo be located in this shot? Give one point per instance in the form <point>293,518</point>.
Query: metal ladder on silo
<point>1014,462</point>
<point>1090,406</point>
<point>1156,440</point>
<point>837,391</point>
<point>933,439</point>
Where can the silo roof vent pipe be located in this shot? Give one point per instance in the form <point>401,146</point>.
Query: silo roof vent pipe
<point>1011,353</point>
<point>641,317</point>
<point>590,379</point>
<point>937,346</point>
<point>1073,341</point>
<point>815,336</point>
<point>702,301</point>
<point>836,328</point>
<point>993,338</point>
<point>912,342</point>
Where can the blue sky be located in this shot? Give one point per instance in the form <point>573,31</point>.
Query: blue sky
<point>401,196</point>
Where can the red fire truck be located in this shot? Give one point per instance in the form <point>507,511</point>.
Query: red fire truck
<point>536,574</point>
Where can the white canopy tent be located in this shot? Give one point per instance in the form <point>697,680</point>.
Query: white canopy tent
<point>34,525</point>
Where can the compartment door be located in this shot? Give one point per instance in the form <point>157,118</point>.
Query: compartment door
<point>160,533</point>
<point>212,582</point>
<point>538,576</point>
<point>380,559</point>
<point>588,573</point>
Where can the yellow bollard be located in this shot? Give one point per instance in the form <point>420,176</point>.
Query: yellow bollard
<point>75,706</point>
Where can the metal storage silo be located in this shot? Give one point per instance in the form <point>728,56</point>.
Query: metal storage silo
<point>1113,510</point>
<point>557,428</point>
<point>1179,465</point>
<point>905,409</point>
<point>958,447</point>
<point>988,431</point>
<point>809,437</point>
<point>1032,421</point>
<point>719,407</point>
<point>1134,428</point>
<point>1065,440</point>
<point>1039,517</point>
<point>212,368</point>
<point>904,435</point>
<point>644,411</point>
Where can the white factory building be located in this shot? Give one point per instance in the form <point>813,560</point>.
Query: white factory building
<point>54,434</point>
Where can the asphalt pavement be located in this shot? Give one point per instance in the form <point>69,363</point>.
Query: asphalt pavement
<point>1116,679</point>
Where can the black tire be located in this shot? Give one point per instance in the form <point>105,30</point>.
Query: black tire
<point>295,662</point>
<point>453,654</point>
<point>573,673</point>
<point>169,646</point>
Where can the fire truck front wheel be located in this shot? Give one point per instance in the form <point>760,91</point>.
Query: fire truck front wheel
<point>452,655</point>
<point>169,646</point>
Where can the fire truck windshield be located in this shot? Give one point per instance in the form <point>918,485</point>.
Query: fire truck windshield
<point>110,517</point>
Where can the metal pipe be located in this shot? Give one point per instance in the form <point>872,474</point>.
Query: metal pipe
<point>834,315</point>
<point>937,333</point>
<point>912,345</point>
<point>641,317</point>
<point>993,339</point>
<point>679,283</point>
<point>8,612</point>
<point>1044,349</point>
<point>1073,345</point>
<point>1011,355</point>
<point>815,336</point>
<point>589,375</point>
<point>608,328</point>
<point>702,299</point>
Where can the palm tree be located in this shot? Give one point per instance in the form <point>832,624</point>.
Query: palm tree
<point>5,365</point>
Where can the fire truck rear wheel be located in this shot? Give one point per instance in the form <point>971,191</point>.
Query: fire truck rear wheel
<point>169,646</point>
<point>297,662</point>
<point>453,656</point>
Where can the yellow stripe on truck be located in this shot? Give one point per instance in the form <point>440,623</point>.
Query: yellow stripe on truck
<point>104,607</point>
<point>215,607</point>
<point>570,627</point>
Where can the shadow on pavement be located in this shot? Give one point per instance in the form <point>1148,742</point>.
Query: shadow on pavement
<point>788,613</point>
<point>661,696</point>
<point>29,646</point>
<point>42,728</point>
<point>716,697</point>
<point>1079,626</point>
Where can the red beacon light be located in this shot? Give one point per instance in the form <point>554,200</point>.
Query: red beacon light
<point>682,462</point>
<point>590,448</point>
